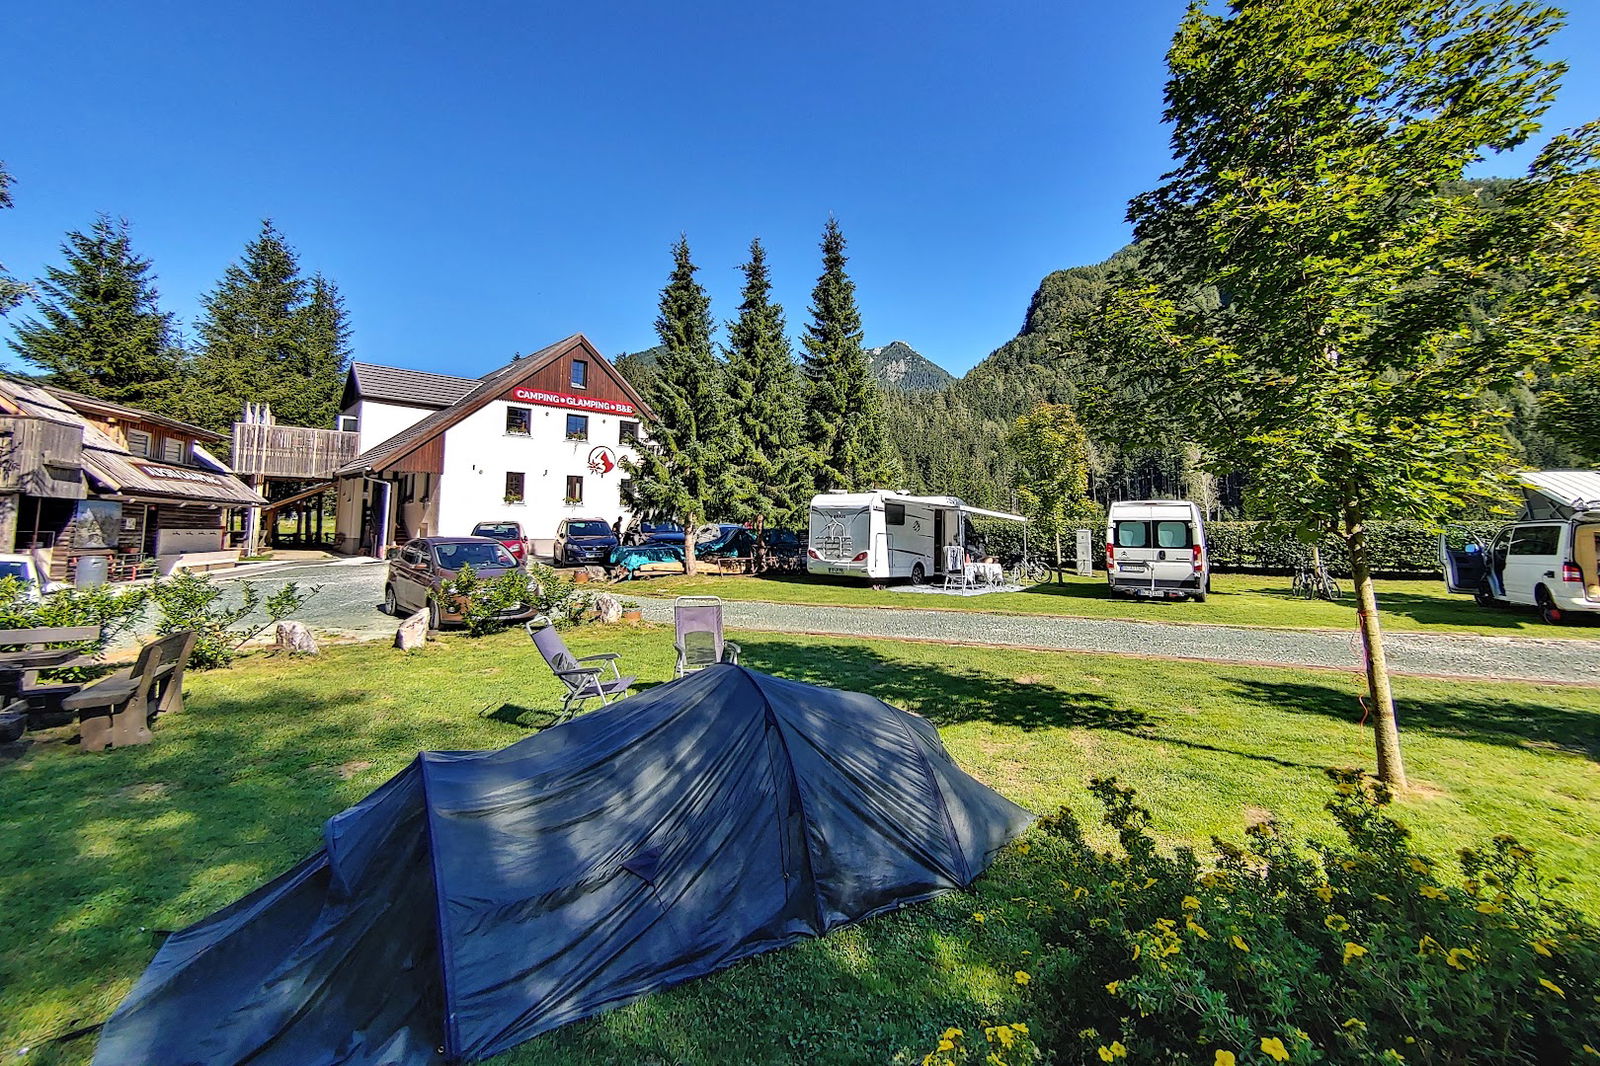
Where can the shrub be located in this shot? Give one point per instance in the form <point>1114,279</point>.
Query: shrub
<point>483,602</point>
<point>189,601</point>
<point>1360,951</point>
<point>113,609</point>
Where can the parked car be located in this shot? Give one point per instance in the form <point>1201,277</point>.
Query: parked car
<point>420,569</point>
<point>509,534</point>
<point>1546,559</point>
<point>1157,548</point>
<point>584,542</point>
<point>660,533</point>
<point>26,570</point>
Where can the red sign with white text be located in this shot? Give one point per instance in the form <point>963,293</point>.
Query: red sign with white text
<point>567,399</point>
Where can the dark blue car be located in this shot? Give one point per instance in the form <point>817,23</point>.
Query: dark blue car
<point>660,533</point>
<point>584,542</point>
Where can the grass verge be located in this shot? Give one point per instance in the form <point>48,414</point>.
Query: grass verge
<point>100,851</point>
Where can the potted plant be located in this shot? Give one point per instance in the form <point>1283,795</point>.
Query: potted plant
<point>632,612</point>
<point>513,498</point>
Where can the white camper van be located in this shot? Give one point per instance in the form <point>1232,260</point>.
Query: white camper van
<point>882,535</point>
<point>1157,548</point>
<point>1545,559</point>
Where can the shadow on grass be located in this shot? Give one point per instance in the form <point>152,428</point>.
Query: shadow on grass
<point>1523,723</point>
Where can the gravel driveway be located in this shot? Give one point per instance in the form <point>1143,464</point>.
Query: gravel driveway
<point>352,589</point>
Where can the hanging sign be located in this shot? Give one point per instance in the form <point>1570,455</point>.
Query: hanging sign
<point>602,461</point>
<point>173,473</point>
<point>551,398</point>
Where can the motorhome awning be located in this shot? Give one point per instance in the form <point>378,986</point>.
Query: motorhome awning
<point>964,509</point>
<point>1574,492</point>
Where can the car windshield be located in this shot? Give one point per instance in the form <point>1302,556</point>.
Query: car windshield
<point>588,529</point>
<point>499,530</point>
<point>661,527</point>
<point>475,554</point>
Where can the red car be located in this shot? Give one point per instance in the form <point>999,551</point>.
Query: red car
<point>508,534</point>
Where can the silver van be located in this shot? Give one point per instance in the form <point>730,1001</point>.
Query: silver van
<point>1545,559</point>
<point>1157,548</point>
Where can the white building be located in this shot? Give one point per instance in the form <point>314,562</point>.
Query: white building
<point>535,441</point>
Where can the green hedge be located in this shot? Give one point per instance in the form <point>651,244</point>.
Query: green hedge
<point>1409,548</point>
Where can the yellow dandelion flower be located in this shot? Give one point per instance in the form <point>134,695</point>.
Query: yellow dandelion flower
<point>1136,951</point>
<point>1105,1054</point>
<point>1324,892</point>
<point>1418,865</point>
<point>1021,977</point>
<point>1459,957</point>
<point>1023,848</point>
<point>1336,922</point>
<point>1197,930</point>
<point>952,1033</point>
<point>1273,1048</point>
<point>945,1045</point>
<point>1238,941</point>
<point>1552,986</point>
<point>1112,986</point>
<point>1118,1050</point>
<point>1190,903</point>
<point>1488,908</point>
<point>1431,892</point>
<point>1542,946</point>
<point>1019,1027</point>
<point>979,917</point>
<point>1224,1058</point>
<point>1352,951</point>
<point>1356,1024</point>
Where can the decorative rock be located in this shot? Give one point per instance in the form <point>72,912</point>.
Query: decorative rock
<point>607,608</point>
<point>295,637</point>
<point>596,573</point>
<point>413,632</point>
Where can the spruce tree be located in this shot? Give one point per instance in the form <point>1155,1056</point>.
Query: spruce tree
<point>12,291</point>
<point>844,428</point>
<point>768,475</point>
<point>99,330</point>
<point>269,334</point>
<point>681,470</point>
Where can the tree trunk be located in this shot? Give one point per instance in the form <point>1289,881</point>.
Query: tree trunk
<point>691,523</point>
<point>1385,727</point>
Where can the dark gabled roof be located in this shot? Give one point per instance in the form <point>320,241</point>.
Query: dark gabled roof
<point>486,389</point>
<point>414,388</point>
<point>95,405</point>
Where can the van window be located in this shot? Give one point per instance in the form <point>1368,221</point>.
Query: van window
<point>1133,534</point>
<point>1172,535</point>
<point>1536,540</point>
<point>894,514</point>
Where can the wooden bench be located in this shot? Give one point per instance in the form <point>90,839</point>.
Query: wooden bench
<point>117,711</point>
<point>52,648</point>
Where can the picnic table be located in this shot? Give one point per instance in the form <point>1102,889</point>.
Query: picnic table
<point>34,650</point>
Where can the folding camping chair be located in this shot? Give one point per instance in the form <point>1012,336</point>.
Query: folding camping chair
<point>697,628</point>
<point>955,567</point>
<point>583,682</point>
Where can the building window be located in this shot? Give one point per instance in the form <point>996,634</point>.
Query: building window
<point>172,450</point>
<point>574,489</point>
<point>347,423</point>
<point>580,374</point>
<point>139,442</point>
<point>519,421</point>
<point>627,432</point>
<point>514,484</point>
<point>577,427</point>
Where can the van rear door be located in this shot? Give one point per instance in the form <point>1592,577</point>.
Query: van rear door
<point>1134,554</point>
<point>1172,538</point>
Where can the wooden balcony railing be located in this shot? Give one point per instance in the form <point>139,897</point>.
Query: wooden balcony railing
<point>266,450</point>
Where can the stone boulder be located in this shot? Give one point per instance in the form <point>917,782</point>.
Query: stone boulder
<point>607,608</point>
<point>296,638</point>
<point>413,632</point>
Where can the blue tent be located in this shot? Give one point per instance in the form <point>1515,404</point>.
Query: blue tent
<point>478,899</point>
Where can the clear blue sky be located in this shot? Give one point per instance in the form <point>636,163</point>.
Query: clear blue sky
<point>485,178</point>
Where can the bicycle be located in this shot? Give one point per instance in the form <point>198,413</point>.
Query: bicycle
<point>1030,572</point>
<point>1313,582</point>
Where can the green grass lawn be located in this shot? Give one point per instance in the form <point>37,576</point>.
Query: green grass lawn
<point>101,850</point>
<point>1236,599</point>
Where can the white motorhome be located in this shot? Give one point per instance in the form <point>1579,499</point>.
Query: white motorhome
<point>1547,558</point>
<point>1157,548</point>
<point>881,535</point>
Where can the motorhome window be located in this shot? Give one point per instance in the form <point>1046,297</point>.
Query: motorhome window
<point>1172,535</point>
<point>519,421</point>
<point>1536,540</point>
<point>1133,534</point>
<point>894,514</point>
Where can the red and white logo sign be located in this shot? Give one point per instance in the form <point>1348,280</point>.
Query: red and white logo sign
<point>602,461</point>
<point>567,399</point>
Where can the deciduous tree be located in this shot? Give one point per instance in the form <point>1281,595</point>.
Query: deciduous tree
<point>1052,468</point>
<point>1319,149</point>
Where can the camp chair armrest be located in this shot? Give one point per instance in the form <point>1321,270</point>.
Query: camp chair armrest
<point>611,655</point>
<point>587,671</point>
<point>730,652</point>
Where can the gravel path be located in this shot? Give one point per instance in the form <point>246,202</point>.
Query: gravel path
<point>1457,655</point>
<point>347,607</point>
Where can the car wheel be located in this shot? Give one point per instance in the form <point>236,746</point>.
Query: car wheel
<point>918,574</point>
<point>1199,597</point>
<point>1548,610</point>
<point>391,606</point>
<point>435,622</point>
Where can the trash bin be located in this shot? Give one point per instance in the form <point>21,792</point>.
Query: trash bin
<point>90,570</point>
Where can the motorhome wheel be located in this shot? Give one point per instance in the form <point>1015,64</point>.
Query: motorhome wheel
<point>918,574</point>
